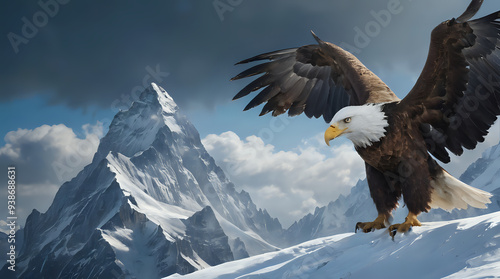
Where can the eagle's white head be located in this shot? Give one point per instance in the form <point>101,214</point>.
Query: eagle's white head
<point>363,125</point>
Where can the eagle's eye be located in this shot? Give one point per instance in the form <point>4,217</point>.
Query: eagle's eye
<point>347,120</point>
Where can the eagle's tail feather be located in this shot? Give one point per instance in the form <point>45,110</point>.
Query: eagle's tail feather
<point>449,193</point>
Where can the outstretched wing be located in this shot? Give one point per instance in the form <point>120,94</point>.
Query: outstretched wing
<point>317,79</point>
<point>457,95</point>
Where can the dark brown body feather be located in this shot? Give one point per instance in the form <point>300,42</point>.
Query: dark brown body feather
<point>400,164</point>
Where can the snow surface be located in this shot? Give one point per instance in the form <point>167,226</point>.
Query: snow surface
<point>466,248</point>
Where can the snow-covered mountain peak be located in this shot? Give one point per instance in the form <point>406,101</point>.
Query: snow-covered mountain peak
<point>155,95</point>
<point>134,130</point>
<point>166,101</point>
<point>165,112</point>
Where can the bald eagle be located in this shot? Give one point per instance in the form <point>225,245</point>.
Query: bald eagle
<point>452,105</point>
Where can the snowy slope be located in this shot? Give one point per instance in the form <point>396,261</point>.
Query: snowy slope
<point>466,248</point>
<point>152,203</point>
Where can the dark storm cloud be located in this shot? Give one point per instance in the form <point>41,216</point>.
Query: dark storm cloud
<point>97,52</point>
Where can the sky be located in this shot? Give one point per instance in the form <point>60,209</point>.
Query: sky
<point>69,66</point>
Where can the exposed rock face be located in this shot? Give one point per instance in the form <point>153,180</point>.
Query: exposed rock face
<point>207,237</point>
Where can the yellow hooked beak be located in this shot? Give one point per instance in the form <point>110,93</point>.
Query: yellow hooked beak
<point>333,132</point>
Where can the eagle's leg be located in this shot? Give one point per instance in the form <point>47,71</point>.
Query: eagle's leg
<point>377,224</point>
<point>410,221</point>
<point>384,195</point>
<point>416,187</point>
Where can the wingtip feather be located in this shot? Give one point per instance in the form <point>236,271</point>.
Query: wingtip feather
<point>470,11</point>
<point>317,38</point>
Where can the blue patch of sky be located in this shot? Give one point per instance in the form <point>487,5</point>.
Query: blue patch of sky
<point>33,112</point>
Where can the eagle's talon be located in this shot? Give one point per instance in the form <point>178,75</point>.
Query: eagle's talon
<point>377,224</point>
<point>410,221</point>
<point>360,226</point>
<point>393,234</point>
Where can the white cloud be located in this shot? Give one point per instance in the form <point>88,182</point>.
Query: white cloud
<point>50,154</point>
<point>46,157</point>
<point>289,184</point>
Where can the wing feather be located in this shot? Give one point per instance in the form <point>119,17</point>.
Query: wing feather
<point>299,105</point>
<point>263,96</point>
<point>458,92</point>
<point>315,79</point>
<point>313,98</point>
